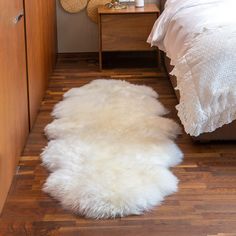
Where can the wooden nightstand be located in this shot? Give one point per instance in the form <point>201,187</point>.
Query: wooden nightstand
<point>125,30</point>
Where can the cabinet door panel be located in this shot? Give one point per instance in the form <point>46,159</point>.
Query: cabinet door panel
<point>41,49</point>
<point>14,124</point>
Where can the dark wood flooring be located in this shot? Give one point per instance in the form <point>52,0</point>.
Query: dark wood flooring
<point>205,204</point>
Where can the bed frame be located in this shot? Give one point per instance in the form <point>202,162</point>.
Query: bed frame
<point>226,132</point>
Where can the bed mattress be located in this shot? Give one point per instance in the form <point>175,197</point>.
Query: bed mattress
<point>174,32</point>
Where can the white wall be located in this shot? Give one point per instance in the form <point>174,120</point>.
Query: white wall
<point>76,32</point>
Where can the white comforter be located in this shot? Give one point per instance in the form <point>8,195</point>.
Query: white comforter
<point>200,38</point>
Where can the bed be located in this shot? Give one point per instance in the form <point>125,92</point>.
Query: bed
<point>192,21</point>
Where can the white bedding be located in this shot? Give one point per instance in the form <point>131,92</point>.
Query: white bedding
<point>194,33</point>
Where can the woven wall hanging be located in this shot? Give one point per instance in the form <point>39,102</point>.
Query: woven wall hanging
<point>73,6</point>
<point>92,8</point>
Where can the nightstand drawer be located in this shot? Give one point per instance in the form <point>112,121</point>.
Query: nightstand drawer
<point>126,32</point>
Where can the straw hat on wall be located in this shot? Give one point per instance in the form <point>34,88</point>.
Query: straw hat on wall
<point>92,8</point>
<point>73,6</point>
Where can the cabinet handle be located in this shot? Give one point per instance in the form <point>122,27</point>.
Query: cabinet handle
<point>18,17</point>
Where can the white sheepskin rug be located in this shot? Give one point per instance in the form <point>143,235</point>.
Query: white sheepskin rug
<point>110,150</point>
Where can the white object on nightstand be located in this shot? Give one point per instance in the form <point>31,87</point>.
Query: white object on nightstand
<point>139,3</point>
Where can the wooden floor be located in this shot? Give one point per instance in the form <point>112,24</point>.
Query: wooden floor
<point>204,205</point>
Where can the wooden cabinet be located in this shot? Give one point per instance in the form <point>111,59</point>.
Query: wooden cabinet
<point>27,56</point>
<point>41,49</point>
<point>14,124</point>
<point>126,29</point>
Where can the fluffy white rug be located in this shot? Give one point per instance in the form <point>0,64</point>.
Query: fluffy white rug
<point>110,150</point>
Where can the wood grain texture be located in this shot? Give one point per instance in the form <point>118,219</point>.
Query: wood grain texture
<point>13,93</point>
<point>41,49</point>
<point>127,32</point>
<point>205,204</point>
